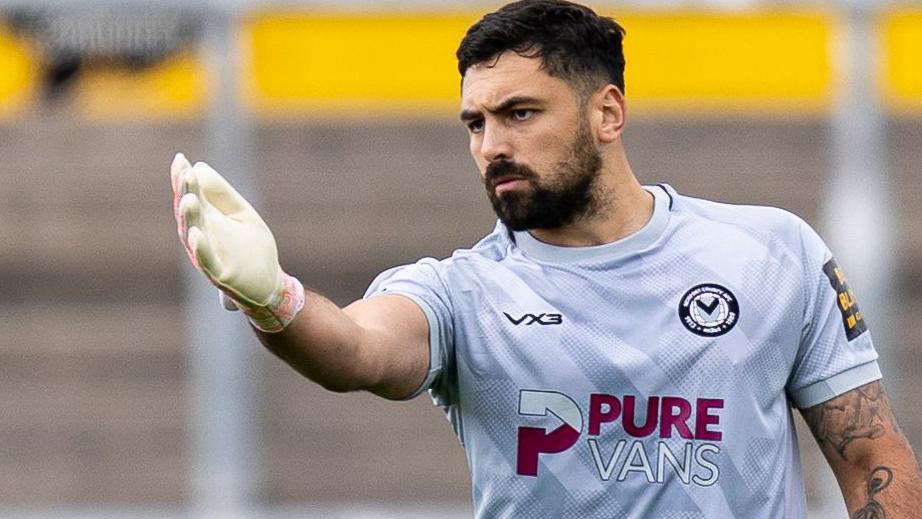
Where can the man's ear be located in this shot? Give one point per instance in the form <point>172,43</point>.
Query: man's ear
<point>610,111</point>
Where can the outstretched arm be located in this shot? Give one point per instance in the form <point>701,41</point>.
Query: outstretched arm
<point>871,459</point>
<point>380,344</point>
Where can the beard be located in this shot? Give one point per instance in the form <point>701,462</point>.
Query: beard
<point>553,203</point>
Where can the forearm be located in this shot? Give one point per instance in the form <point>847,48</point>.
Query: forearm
<point>323,344</point>
<point>888,485</point>
<point>379,345</point>
<point>874,464</point>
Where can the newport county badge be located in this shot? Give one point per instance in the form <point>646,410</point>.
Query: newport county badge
<point>852,318</point>
<point>709,310</point>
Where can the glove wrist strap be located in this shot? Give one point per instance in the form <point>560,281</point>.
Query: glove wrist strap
<point>285,303</point>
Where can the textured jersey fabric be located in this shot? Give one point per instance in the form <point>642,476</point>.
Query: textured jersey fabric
<point>650,377</point>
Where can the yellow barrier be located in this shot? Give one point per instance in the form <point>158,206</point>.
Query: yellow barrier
<point>17,74</point>
<point>901,32</point>
<point>687,61</point>
<point>736,62</point>
<point>354,64</point>
<point>174,87</point>
<point>297,64</point>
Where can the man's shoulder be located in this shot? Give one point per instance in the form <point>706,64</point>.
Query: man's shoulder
<point>759,220</point>
<point>446,275</point>
<point>491,248</point>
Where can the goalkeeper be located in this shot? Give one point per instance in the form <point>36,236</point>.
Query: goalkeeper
<point>609,349</point>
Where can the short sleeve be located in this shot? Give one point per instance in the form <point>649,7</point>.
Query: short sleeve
<point>836,353</point>
<point>423,283</point>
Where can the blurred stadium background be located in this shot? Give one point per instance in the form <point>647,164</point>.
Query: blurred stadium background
<point>128,393</point>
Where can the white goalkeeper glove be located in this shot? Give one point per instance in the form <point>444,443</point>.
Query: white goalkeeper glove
<point>227,241</point>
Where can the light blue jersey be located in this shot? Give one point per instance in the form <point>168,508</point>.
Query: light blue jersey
<point>652,377</point>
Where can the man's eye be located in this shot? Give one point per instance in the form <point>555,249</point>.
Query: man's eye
<point>475,126</point>
<point>522,114</point>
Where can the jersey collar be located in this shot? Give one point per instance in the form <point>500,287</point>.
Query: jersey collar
<point>615,250</point>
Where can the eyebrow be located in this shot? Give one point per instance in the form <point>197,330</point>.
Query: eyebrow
<point>469,115</point>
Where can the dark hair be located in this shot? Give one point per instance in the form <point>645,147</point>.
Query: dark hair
<point>574,43</point>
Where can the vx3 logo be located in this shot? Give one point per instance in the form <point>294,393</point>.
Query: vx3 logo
<point>529,319</point>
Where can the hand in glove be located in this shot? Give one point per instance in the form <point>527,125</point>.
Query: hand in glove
<point>228,242</point>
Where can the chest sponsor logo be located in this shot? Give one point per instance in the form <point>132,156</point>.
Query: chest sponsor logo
<point>852,318</point>
<point>530,319</point>
<point>692,454</point>
<point>709,310</point>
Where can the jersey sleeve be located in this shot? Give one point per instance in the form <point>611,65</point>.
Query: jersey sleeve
<point>423,283</point>
<point>836,353</point>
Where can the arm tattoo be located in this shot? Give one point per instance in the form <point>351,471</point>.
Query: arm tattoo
<point>860,413</point>
<point>880,477</point>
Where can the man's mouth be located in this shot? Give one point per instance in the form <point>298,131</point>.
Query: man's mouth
<point>507,178</point>
<point>508,183</point>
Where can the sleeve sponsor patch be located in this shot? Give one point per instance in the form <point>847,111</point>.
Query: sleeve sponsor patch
<point>852,318</point>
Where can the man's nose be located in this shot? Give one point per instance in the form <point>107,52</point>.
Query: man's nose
<point>496,143</point>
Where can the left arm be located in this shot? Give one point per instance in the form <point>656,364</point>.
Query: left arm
<point>871,459</point>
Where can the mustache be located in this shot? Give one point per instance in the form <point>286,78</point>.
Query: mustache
<point>507,168</point>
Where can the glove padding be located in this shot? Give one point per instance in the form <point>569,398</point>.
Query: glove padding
<point>226,240</point>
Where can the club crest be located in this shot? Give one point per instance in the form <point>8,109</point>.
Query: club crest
<point>709,310</point>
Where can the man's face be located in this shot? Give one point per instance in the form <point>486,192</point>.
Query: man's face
<point>531,142</point>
